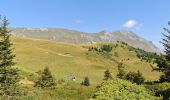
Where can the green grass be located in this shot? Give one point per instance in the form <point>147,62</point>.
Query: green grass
<point>65,59</point>
<point>66,91</point>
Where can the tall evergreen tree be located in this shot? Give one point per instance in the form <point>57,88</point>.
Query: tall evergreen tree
<point>121,73</point>
<point>163,61</point>
<point>6,52</point>
<point>86,81</point>
<point>9,76</point>
<point>166,42</point>
<point>107,75</point>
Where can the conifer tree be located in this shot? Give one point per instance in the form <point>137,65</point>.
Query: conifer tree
<point>6,52</point>
<point>166,42</point>
<point>9,76</point>
<point>139,78</point>
<point>86,81</point>
<point>135,77</point>
<point>107,75</point>
<point>46,79</point>
<point>163,62</point>
<point>121,73</point>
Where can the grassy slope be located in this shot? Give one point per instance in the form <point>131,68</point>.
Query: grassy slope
<point>65,59</point>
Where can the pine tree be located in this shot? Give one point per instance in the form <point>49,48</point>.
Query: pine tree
<point>86,81</point>
<point>107,75</point>
<point>135,77</point>
<point>6,52</point>
<point>107,48</point>
<point>163,66</point>
<point>166,42</point>
<point>121,73</point>
<point>139,78</point>
<point>46,79</point>
<point>163,62</point>
<point>9,76</point>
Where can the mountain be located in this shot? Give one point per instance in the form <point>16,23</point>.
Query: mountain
<point>76,37</point>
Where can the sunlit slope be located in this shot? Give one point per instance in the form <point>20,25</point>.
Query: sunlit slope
<point>66,59</point>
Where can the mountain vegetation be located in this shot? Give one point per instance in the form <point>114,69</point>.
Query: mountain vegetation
<point>37,69</point>
<point>121,90</point>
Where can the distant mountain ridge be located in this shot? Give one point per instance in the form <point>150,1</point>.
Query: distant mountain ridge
<point>77,37</point>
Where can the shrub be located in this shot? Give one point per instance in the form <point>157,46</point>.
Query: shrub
<point>107,75</point>
<point>135,77</point>
<point>107,48</point>
<point>67,91</point>
<point>118,89</point>
<point>160,89</point>
<point>46,79</point>
<point>86,81</point>
<point>121,73</point>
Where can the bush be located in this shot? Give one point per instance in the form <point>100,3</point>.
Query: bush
<point>66,91</point>
<point>121,73</point>
<point>107,75</point>
<point>131,76</point>
<point>107,48</point>
<point>121,90</point>
<point>15,92</point>
<point>135,77</point>
<point>46,79</point>
<point>160,89</point>
<point>86,81</point>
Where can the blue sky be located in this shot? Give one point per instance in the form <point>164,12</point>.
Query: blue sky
<point>144,17</point>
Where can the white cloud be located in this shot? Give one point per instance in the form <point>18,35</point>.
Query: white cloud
<point>78,21</point>
<point>130,24</point>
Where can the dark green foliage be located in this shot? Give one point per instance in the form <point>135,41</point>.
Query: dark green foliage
<point>164,93</point>
<point>9,77</point>
<point>14,92</point>
<point>116,45</point>
<point>46,79</point>
<point>103,50</point>
<point>163,66</point>
<point>6,56</point>
<point>160,89</point>
<point>163,62</point>
<point>124,43</point>
<point>144,55</point>
<point>135,77</point>
<point>131,76</point>
<point>165,42</point>
<point>121,73</point>
<point>86,81</point>
<point>106,48</point>
<point>94,49</point>
<point>107,75</point>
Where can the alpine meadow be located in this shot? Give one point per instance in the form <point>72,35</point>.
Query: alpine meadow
<point>84,50</point>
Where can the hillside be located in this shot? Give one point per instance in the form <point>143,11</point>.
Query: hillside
<point>65,60</point>
<point>76,37</point>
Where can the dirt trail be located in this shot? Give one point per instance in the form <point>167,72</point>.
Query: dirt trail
<point>50,51</point>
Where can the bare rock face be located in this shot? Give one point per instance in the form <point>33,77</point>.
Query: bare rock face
<point>72,36</point>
